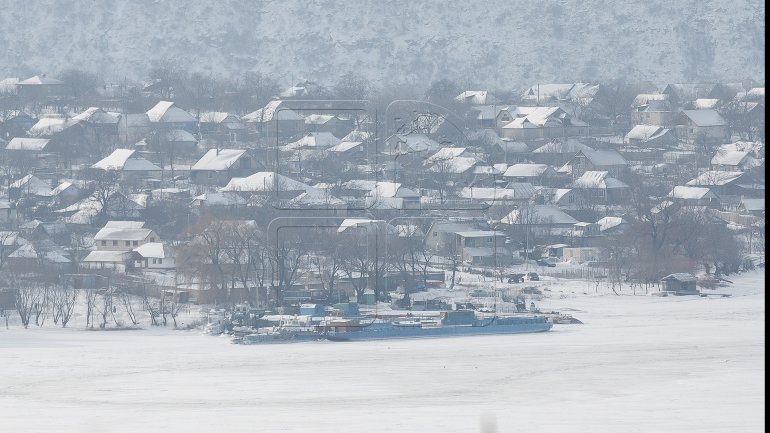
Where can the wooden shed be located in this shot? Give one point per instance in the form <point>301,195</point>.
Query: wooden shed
<point>679,284</point>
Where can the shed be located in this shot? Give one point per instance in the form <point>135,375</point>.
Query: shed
<point>680,284</point>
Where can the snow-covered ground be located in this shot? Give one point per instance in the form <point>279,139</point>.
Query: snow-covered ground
<point>637,364</point>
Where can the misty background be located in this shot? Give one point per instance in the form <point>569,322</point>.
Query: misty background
<point>500,43</point>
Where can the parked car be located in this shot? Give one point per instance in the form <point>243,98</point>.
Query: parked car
<point>533,276</point>
<point>545,262</point>
<point>515,278</point>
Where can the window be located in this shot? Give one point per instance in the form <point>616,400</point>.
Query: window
<point>152,239</point>
<point>128,243</point>
<point>136,243</point>
<point>154,261</point>
<point>160,261</point>
<point>114,243</point>
<point>104,243</point>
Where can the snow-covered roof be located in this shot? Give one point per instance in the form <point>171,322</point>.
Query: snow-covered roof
<point>543,214</point>
<point>476,97</point>
<point>154,250</point>
<point>526,170</point>
<point>125,160</point>
<point>40,79</point>
<point>180,135</point>
<point>217,117</point>
<point>609,222</point>
<point>445,153</point>
<point>344,146</point>
<point>645,98</point>
<point>96,115</point>
<point>416,143</point>
<point>715,178</point>
<point>391,190</point>
<point>536,117</point>
<point>645,132</point>
<point>705,103</point>
<point>33,185</point>
<point>524,191</point>
<point>705,117</point>
<point>219,199</point>
<point>314,197</point>
<point>124,224</point>
<point>28,251</point>
<point>31,144</point>
<point>50,126</point>
<point>265,181</point>
<point>122,234</point>
<point>61,188</point>
<point>753,204</point>
<point>107,256</point>
<point>167,112</point>
<point>604,157</point>
<point>357,135</point>
<point>314,140</point>
<point>597,179</point>
<point>368,224</point>
<point>680,276</point>
<point>318,119</point>
<point>691,193</point>
<point>569,145</point>
<point>218,160</point>
<point>455,165</point>
<point>272,111</point>
<point>560,92</point>
<point>731,157</point>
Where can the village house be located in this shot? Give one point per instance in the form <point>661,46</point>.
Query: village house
<point>267,184</point>
<point>598,187</point>
<point>123,236</point>
<point>41,88</point>
<point>477,97</point>
<point>650,136</point>
<point>275,120</point>
<point>221,126</point>
<point>557,152</point>
<point>535,174</point>
<point>693,196</point>
<point>535,123</point>
<point>707,125</point>
<point>128,164</point>
<point>392,195</point>
<point>154,256</point>
<point>338,126</point>
<point>728,185</point>
<point>738,156</point>
<point>166,115</point>
<point>218,166</point>
<point>588,159</point>
<point>482,247</point>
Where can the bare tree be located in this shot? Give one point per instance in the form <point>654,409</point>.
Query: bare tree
<point>27,301</point>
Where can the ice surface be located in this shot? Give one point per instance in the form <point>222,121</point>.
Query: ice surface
<point>637,364</point>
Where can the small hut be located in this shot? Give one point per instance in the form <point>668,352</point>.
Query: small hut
<point>680,284</point>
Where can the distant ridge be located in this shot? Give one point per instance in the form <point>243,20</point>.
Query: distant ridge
<point>495,44</point>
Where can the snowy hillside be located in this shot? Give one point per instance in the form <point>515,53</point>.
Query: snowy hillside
<point>499,43</point>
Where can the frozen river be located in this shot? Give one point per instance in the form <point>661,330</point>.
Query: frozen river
<point>637,364</point>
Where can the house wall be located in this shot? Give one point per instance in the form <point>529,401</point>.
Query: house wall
<point>581,254</point>
<point>120,245</point>
<point>154,263</point>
